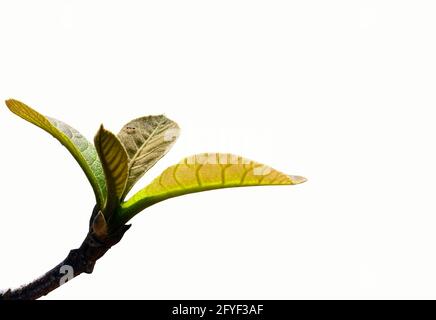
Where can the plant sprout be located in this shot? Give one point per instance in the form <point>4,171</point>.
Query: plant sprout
<point>113,164</point>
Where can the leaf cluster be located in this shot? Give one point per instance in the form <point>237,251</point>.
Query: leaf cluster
<point>114,163</point>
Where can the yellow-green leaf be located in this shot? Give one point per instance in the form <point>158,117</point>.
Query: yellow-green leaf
<point>114,159</point>
<point>205,172</point>
<point>81,149</point>
<point>146,140</point>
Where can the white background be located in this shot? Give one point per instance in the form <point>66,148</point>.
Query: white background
<point>342,92</point>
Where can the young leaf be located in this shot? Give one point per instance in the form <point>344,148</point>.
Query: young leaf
<point>146,140</point>
<point>205,172</point>
<point>81,149</point>
<point>114,159</point>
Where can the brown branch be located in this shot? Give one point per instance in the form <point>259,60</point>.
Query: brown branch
<point>78,261</point>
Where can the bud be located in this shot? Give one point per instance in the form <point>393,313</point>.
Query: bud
<point>99,225</point>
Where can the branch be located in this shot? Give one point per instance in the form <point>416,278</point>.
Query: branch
<point>78,261</point>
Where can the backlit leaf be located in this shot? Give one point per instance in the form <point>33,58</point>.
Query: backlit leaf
<point>81,149</point>
<point>146,140</point>
<point>114,159</point>
<point>205,172</point>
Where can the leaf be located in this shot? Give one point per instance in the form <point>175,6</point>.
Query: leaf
<point>114,159</point>
<point>205,172</point>
<point>146,140</point>
<point>81,149</point>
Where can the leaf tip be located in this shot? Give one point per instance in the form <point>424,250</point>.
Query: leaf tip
<point>17,107</point>
<point>100,131</point>
<point>297,179</point>
<point>10,102</point>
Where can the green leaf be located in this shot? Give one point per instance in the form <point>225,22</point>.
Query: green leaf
<point>204,172</point>
<point>114,159</point>
<point>146,140</point>
<point>81,149</point>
